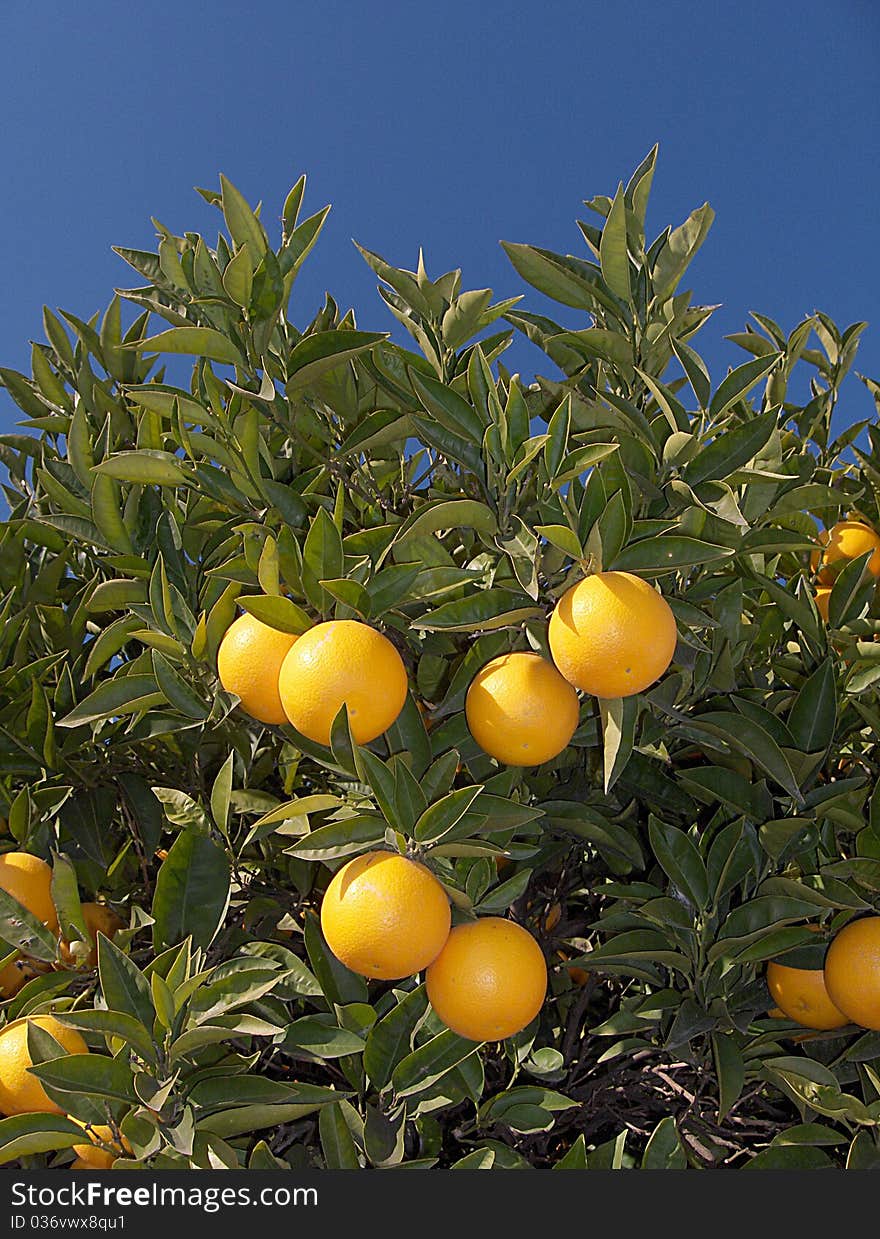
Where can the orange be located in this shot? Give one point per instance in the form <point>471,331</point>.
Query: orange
<point>852,971</point>
<point>578,975</point>
<point>385,916</point>
<point>248,662</point>
<point>612,634</point>
<point>92,1156</point>
<point>845,540</point>
<point>21,1092</point>
<point>800,994</point>
<point>342,662</point>
<point>822,597</point>
<point>99,919</point>
<point>520,710</point>
<point>13,976</point>
<point>28,879</point>
<point>489,980</point>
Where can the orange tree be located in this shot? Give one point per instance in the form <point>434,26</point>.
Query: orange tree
<point>684,836</point>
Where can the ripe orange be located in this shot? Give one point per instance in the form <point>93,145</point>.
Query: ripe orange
<point>13,976</point>
<point>91,1155</point>
<point>578,975</point>
<point>852,971</point>
<point>99,919</point>
<point>21,1092</point>
<point>822,597</point>
<point>248,662</point>
<point>29,880</point>
<point>489,980</point>
<point>845,540</point>
<point>520,710</point>
<point>800,994</point>
<point>612,634</point>
<point>342,662</point>
<point>385,916</point>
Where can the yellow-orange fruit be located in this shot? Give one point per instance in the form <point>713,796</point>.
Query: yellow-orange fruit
<point>845,540</point>
<point>28,879</point>
<point>800,994</point>
<point>852,971</point>
<point>489,980</point>
<point>520,710</point>
<point>822,597</point>
<point>248,662</point>
<point>385,916</point>
<point>13,976</point>
<point>342,662</point>
<point>99,919</point>
<point>612,634</point>
<point>20,1091</point>
<point>91,1155</point>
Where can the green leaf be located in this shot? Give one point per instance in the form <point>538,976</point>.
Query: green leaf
<point>730,1070</point>
<point>737,384</point>
<point>337,1144</point>
<point>23,1135</point>
<point>277,612</point>
<point>619,716</point>
<point>196,341</point>
<point>92,1074</point>
<point>664,1150</point>
<point>147,468</point>
<point>127,694</point>
<point>447,514</point>
<point>489,609</point>
<point>613,249</point>
<point>350,836</point>
<point>439,818</point>
<point>20,928</point>
<point>323,559</point>
<point>390,1038</point>
<point>666,553</point>
<point>681,246</point>
<point>429,1063</point>
<point>447,407</point>
<point>65,896</point>
<point>124,986</point>
<point>192,891</point>
<point>243,225</point>
<point>730,449</point>
<point>323,351</point>
<point>813,716</point>
<point>680,861</point>
<point>746,736</point>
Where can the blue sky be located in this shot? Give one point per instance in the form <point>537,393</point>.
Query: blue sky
<point>449,126</point>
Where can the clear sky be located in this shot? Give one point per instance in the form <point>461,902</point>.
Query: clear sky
<point>452,126</point>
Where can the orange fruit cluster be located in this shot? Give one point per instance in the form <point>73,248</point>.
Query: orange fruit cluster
<point>611,635</point>
<point>845,991</point>
<point>305,680</point>
<point>387,917</point>
<point>845,541</point>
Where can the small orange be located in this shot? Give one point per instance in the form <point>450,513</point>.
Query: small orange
<point>801,994</point>
<point>612,634</point>
<point>578,975</point>
<point>852,971</point>
<point>20,1091</point>
<point>489,980</point>
<point>822,597</point>
<point>13,976</point>
<point>99,919</point>
<point>28,879</point>
<point>93,1155</point>
<point>845,540</point>
<point>385,916</point>
<point>343,662</point>
<point>520,710</point>
<point>248,662</point>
